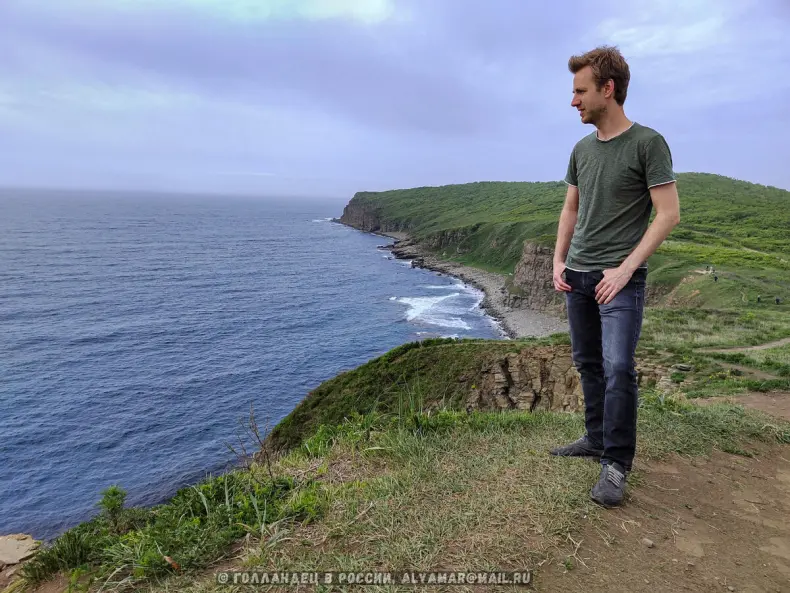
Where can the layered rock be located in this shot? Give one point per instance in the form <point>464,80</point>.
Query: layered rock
<point>532,285</point>
<point>540,378</point>
<point>537,378</point>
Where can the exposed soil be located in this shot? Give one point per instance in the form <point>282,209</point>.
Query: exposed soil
<point>716,524</point>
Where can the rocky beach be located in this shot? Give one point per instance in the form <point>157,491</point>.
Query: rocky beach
<point>516,322</point>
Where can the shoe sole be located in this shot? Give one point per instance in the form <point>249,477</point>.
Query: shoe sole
<point>605,504</point>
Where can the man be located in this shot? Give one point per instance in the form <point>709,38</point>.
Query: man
<point>615,176</point>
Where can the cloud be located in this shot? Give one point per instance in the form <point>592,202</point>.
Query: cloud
<point>375,93</point>
<point>240,11</point>
<point>713,53</point>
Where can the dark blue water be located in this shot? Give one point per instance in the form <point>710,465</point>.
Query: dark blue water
<point>135,332</point>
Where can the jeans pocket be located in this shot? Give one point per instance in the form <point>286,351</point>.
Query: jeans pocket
<point>569,276</point>
<point>639,278</point>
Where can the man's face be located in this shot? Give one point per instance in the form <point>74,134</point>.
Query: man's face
<point>590,101</point>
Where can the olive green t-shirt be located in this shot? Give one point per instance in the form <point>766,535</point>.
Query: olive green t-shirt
<point>614,178</point>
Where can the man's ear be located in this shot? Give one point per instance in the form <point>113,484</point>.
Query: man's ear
<point>608,88</point>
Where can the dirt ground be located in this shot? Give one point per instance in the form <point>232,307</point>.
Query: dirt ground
<point>716,524</point>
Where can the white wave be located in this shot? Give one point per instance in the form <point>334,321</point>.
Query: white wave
<point>456,286</point>
<point>322,219</point>
<point>434,311</point>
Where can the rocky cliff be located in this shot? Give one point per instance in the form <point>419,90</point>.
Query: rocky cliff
<point>531,286</point>
<point>366,216</point>
<point>542,378</point>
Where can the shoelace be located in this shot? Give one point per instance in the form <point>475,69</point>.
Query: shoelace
<point>614,476</point>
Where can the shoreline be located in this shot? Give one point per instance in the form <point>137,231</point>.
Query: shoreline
<point>514,323</point>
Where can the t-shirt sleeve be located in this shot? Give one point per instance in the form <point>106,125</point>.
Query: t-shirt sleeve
<point>658,162</point>
<point>570,176</point>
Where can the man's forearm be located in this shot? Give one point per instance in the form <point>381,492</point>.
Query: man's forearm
<point>564,234</point>
<point>659,230</point>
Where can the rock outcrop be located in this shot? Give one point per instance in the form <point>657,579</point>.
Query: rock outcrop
<point>532,286</point>
<point>540,378</point>
<point>537,378</point>
<point>363,215</point>
<point>14,550</point>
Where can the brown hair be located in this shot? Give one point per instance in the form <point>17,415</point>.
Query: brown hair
<point>606,63</point>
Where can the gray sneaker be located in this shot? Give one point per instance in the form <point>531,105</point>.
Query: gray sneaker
<point>579,448</point>
<point>609,489</point>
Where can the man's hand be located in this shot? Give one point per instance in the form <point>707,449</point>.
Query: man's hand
<point>613,282</point>
<point>559,283</point>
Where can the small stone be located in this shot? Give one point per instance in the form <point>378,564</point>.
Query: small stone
<point>648,542</point>
<point>683,367</point>
<point>16,547</point>
<point>690,563</point>
<point>730,588</point>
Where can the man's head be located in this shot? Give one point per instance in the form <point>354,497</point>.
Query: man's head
<point>600,82</point>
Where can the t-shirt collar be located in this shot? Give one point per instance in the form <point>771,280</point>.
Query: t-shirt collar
<point>613,137</point>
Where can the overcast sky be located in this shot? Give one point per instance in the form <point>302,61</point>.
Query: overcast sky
<point>327,97</point>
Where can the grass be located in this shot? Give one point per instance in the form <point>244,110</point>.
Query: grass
<point>773,360</point>
<point>407,488</point>
<point>682,330</point>
<point>428,369</point>
<point>469,491</point>
<point>140,545</point>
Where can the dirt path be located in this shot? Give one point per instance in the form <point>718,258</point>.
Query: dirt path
<point>748,371</point>
<point>767,346</point>
<point>716,524</point>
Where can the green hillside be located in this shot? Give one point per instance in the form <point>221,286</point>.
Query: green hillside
<point>739,228</point>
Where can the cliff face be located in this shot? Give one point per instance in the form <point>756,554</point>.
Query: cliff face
<point>359,215</point>
<point>532,285</point>
<point>365,216</point>
<point>542,378</point>
<point>533,288</point>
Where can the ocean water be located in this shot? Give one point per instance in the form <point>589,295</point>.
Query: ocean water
<point>137,330</point>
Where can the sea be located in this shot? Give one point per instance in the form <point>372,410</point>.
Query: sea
<point>137,331</point>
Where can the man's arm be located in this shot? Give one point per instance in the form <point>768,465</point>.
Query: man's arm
<point>568,216</point>
<point>667,204</point>
<point>570,211</point>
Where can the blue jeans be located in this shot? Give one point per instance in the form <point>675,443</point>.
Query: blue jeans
<point>603,342</point>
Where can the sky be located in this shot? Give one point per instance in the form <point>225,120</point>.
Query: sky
<point>329,97</point>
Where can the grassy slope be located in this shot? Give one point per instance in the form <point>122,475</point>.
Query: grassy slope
<point>736,226</point>
<point>456,491</point>
<point>415,374</point>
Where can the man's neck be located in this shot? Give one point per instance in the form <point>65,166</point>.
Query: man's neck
<point>613,124</point>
